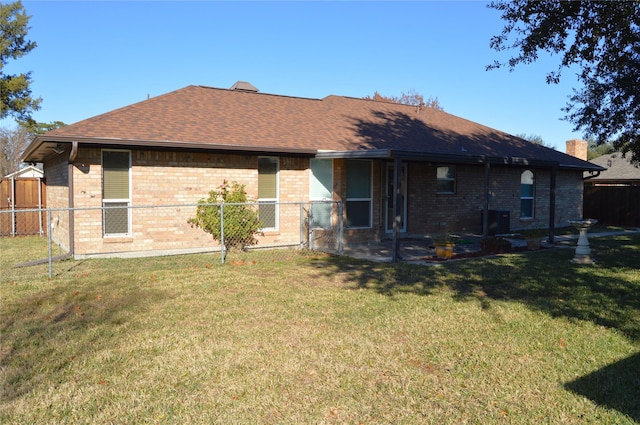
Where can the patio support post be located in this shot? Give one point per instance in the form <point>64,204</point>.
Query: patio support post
<point>397,211</point>
<point>552,204</point>
<point>485,202</point>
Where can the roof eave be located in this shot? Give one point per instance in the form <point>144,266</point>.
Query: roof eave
<point>159,144</point>
<point>454,159</point>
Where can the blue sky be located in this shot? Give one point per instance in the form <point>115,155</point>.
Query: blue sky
<point>93,57</point>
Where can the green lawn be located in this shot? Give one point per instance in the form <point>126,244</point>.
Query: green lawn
<point>516,339</point>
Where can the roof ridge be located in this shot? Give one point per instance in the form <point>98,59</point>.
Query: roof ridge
<point>255,93</point>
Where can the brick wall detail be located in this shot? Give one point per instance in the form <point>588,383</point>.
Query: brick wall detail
<point>177,178</point>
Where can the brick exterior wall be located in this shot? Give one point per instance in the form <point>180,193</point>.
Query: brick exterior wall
<point>172,179</point>
<point>161,178</point>
<point>462,211</point>
<point>577,148</point>
<point>57,180</point>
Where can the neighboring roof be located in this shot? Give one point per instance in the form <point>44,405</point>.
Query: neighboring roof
<point>30,171</point>
<point>198,117</point>
<point>617,167</point>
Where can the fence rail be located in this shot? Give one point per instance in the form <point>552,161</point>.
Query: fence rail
<point>613,205</point>
<point>224,230</point>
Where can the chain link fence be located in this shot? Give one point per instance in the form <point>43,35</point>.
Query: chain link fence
<point>203,233</point>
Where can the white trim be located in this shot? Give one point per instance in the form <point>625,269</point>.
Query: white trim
<point>390,195</point>
<point>271,200</point>
<point>532,198</point>
<point>447,179</point>
<point>119,201</point>
<point>370,198</point>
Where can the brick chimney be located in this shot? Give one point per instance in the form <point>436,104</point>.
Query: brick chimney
<point>577,148</point>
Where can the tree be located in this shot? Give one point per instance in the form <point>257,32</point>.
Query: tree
<point>239,224</point>
<point>534,138</point>
<point>410,98</point>
<point>40,127</point>
<point>14,142</point>
<point>15,89</point>
<point>601,39</point>
<point>594,150</point>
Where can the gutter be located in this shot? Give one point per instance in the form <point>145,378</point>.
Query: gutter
<point>592,175</point>
<point>159,144</point>
<point>435,157</point>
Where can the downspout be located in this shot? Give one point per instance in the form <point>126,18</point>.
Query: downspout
<point>72,157</point>
<point>592,175</point>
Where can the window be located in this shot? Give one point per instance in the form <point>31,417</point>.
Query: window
<point>268,192</point>
<point>359,205</point>
<point>526,194</point>
<point>116,192</point>
<point>320,190</point>
<point>446,176</point>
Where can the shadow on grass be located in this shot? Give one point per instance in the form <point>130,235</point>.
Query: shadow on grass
<point>616,386</point>
<point>45,333</point>
<point>605,293</point>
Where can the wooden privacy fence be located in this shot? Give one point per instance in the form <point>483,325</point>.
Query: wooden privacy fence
<point>22,194</point>
<point>613,205</point>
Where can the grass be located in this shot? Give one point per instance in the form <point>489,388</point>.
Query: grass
<point>518,339</point>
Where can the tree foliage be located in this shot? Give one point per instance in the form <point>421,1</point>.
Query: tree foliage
<point>13,142</point>
<point>601,39</point>
<point>595,150</point>
<point>534,138</point>
<point>15,90</point>
<point>41,127</point>
<point>410,98</point>
<point>239,223</point>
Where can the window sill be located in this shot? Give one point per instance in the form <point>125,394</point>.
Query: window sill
<point>118,239</point>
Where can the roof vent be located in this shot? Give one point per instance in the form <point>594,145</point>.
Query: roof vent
<point>244,86</point>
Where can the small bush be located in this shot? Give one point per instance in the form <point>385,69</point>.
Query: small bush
<point>496,245</point>
<point>241,222</point>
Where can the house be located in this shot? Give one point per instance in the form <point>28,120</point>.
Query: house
<point>619,171</point>
<point>613,196</point>
<point>397,169</point>
<point>19,191</point>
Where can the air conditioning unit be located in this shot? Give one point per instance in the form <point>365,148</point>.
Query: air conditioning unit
<point>499,222</point>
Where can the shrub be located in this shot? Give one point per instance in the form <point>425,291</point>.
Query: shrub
<point>241,222</point>
<point>495,245</point>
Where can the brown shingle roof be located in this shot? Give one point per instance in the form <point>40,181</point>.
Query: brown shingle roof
<point>211,118</point>
<point>617,167</point>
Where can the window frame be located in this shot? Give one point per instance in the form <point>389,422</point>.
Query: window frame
<point>453,180</point>
<point>369,199</point>
<point>528,199</point>
<point>107,203</point>
<point>270,201</point>
<point>320,204</point>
